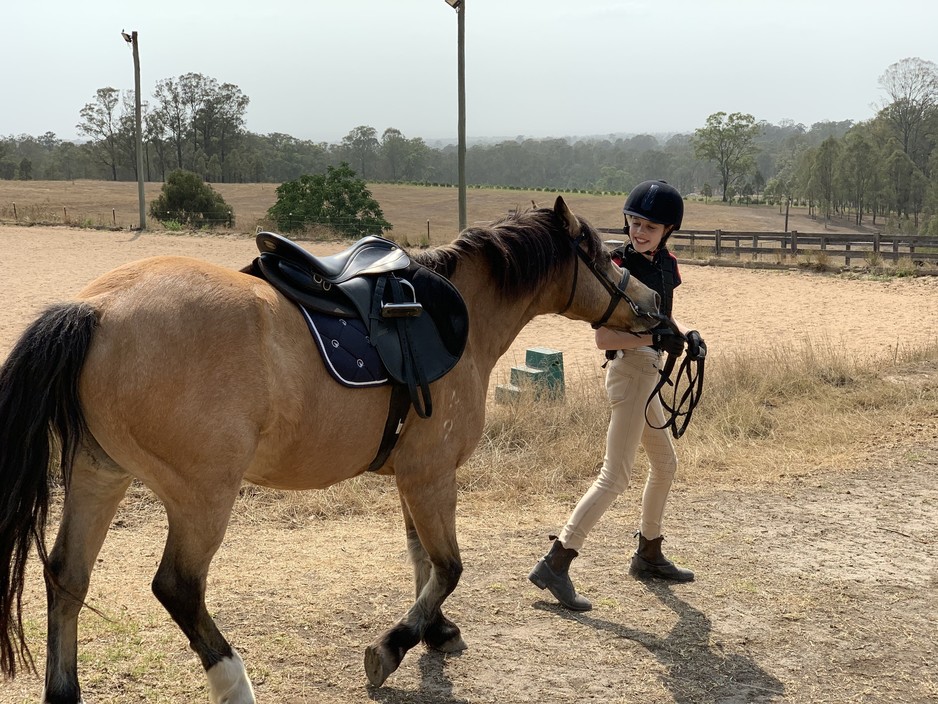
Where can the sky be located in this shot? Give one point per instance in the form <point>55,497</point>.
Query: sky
<point>316,69</point>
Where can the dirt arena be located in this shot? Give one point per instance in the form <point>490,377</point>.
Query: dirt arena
<point>823,590</point>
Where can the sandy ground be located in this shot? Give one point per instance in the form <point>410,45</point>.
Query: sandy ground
<point>817,591</point>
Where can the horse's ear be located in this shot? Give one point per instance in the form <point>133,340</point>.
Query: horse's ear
<point>569,219</point>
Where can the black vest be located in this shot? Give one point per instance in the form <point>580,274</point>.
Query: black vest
<point>660,274</point>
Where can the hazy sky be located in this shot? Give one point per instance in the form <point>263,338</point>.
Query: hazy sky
<point>316,69</point>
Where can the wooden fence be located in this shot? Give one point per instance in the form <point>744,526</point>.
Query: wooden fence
<point>782,244</point>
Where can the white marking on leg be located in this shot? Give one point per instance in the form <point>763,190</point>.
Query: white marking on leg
<point>228,682</point>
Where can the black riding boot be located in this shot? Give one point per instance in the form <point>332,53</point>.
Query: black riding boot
<point>551,572</point>
<point>649,562</point>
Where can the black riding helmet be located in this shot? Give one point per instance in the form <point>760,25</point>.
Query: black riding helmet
<point>656,201</point>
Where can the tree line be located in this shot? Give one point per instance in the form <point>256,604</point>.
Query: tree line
<point>883,171</point>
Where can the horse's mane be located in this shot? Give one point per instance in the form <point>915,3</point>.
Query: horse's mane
<point>522,249</point>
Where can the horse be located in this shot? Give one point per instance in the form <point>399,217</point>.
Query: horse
<point>193,379</point>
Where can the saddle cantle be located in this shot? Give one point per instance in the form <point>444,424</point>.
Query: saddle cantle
<point>413,319</point>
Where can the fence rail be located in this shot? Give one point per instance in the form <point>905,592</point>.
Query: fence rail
<point>848,246</point>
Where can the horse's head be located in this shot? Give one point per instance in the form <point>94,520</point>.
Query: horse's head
<point>602,293</point>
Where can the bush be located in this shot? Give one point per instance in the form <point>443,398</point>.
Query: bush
<point>187,199</point>
<point>337,199</point>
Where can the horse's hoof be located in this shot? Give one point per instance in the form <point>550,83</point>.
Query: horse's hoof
<point>379,664</point>
<point>443,635</point>
<point>453,645</point>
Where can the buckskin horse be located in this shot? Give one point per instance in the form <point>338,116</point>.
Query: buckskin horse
<point>193,378</point>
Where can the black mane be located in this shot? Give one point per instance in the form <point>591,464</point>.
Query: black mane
<point>522,250</point>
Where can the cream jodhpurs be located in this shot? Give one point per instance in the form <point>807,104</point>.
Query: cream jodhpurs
<point>630,380</point>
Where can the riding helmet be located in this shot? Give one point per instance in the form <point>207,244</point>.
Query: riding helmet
<point>657,201</point>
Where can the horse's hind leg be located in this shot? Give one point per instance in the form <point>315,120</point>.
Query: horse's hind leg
<point>196,528</point>
<point>441,633</point>
<point>430,514</point>
<point>96,488</point>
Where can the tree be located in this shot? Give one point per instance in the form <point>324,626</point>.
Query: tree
<point>338,199</point>
<point>101,123</point>
<point>912,84</point>
<point>26,170</point>
<point>361,144</point>
<point>857,168</point>
<point>823,175</point>
<point>186,198</point>
<point>394,150</point>
<point>727,140</point>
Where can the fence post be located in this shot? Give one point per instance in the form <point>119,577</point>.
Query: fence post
<point>876,243</point>
<point>755,246</point>
<point>717,242</point>
<point>895,249</point>
<point>847,256</point>
<point>794,242</point>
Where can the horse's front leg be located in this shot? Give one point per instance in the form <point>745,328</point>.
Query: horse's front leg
<point>441,633</point>
<point>429,507</point>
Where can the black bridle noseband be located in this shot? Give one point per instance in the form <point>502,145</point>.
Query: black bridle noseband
<point>676,408</point>
<point>616,291</point>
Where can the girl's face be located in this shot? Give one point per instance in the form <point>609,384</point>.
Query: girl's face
<point>645,235</point>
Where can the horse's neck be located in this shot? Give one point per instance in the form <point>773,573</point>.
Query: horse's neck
<point>494,318</point>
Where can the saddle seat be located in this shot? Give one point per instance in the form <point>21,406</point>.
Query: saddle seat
<point>370,255</point>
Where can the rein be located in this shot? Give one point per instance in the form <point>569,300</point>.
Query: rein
<point>684,406</point>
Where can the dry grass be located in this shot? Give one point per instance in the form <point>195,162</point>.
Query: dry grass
<point>418,214</point>
<point>764,417</point>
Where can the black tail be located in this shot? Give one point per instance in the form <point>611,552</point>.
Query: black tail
<point>38,400</point>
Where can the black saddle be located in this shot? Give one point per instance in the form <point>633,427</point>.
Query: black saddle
<point>370,255</point>
<point>414,318</point>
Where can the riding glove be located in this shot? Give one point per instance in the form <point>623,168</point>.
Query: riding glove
<point>696,347</point>
<point>667,341</point>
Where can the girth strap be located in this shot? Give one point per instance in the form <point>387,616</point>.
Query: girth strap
<point>398,408</point>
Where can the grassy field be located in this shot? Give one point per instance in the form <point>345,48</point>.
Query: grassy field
<point>418,214</point>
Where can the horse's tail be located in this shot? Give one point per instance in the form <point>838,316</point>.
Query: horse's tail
<point>38,400</point>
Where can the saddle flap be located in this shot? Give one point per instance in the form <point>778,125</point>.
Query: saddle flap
<point>369,255</point>
<point>436,338</point>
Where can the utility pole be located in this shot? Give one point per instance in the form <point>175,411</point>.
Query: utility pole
<point>460,7</point>
<point>138,120</point>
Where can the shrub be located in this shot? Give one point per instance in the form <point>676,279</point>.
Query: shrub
<point>186,198</point>
<point>337,199</point>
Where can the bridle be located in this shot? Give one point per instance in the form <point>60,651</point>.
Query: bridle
<point>677,408</point>
<point>616,291</point>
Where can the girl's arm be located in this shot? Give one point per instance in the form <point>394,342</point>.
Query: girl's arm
<point>607,339</point>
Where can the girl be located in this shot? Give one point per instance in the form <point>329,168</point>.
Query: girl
<point>653,210</point>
